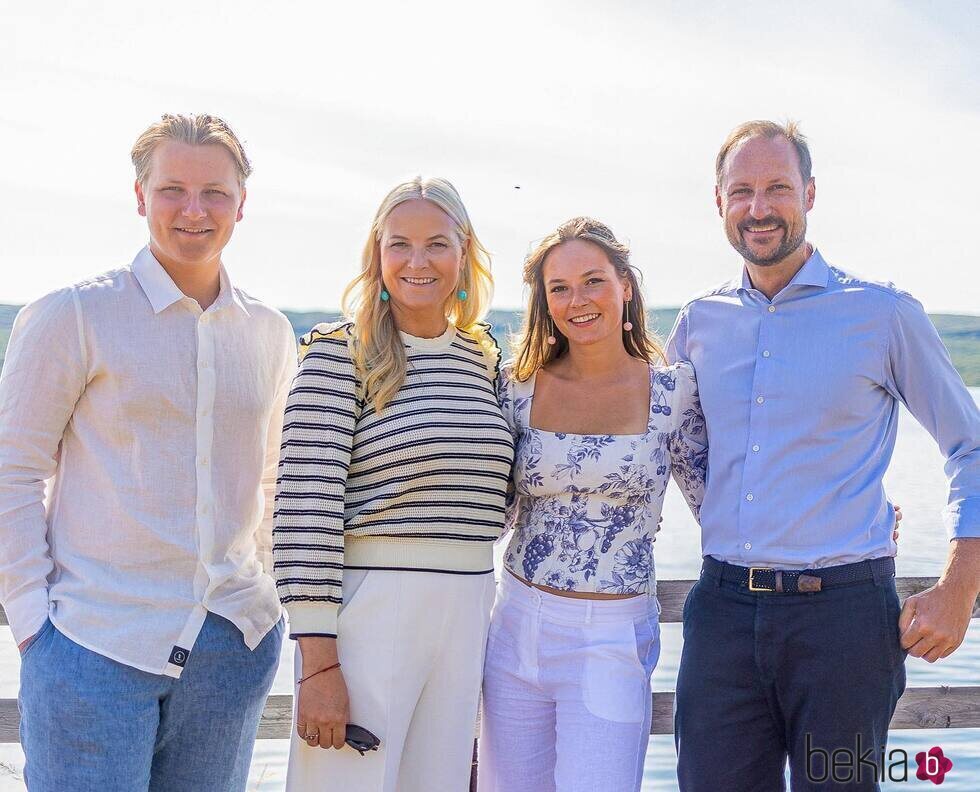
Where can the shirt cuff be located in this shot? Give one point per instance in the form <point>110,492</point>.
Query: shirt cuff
<point>312,618</point>
<point>963,520</point>
<point>27,613</point>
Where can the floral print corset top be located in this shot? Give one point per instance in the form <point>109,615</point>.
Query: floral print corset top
<point>585,508</point>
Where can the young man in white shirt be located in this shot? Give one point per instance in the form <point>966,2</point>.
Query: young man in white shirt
<point>154,395</point>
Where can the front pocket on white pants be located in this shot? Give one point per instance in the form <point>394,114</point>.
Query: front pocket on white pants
<point>616,683</point>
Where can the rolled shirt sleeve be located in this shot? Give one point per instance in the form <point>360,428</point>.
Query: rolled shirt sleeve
<point>919,372</point>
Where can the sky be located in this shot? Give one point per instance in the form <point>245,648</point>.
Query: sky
<point>536,111</point>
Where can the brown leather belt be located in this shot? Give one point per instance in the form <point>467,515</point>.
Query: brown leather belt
<point>806,581</point>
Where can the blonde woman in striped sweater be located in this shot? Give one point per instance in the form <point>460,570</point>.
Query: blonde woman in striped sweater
<point>395,460</point>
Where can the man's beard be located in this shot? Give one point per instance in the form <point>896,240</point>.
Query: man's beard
<point>787,246</point>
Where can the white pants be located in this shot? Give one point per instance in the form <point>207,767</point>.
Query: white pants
<point>566,692</point>
<point>411,645</point>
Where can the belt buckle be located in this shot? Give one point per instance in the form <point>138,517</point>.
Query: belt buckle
<point>752,571</point>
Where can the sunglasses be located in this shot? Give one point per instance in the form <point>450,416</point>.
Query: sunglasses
<point>360,739</point>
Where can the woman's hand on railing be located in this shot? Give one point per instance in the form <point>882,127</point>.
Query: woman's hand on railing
<point>323,705</point>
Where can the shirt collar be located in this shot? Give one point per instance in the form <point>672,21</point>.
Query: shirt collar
<point>162,292</point>
<point>228,294</point>
<point>814,272</point>
<point>157,285</point>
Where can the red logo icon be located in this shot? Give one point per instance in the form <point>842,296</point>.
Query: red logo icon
<point>933,765</point>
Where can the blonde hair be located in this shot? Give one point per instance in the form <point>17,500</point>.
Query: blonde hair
<point>767,129</point>
<point>532,350</point>
<point>196,130</point>
<point>378,351</point>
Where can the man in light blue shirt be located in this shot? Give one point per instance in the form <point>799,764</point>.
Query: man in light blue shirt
<point>794,641</point>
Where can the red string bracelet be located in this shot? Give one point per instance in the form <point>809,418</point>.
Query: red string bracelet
<point>328,668</point>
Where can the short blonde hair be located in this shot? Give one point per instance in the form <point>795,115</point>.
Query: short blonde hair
<point>196,130</point>
<point>531,347</point>
<point>379,354</point>
<point>767,129</point>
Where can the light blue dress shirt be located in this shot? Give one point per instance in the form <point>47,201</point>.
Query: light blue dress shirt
<point>801,399</point>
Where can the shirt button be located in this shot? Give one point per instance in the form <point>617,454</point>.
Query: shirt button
<point>760,399</point>
<point>204,461</point>
<point>747,545</point>
<point>203,364</point>
<point>750,497</point>
<point>766,353</point>
<point>772,309</point>
<point>755,448</point>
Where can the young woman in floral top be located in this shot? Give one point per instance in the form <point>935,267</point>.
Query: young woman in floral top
<point>600,423</point>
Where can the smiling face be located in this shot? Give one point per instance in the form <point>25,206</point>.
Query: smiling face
<point>763,200</point>
<point>191,199</point>
<point>421,259</point>
<point>585,293</point>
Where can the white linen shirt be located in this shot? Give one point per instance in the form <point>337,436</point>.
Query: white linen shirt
<point>161,425</point>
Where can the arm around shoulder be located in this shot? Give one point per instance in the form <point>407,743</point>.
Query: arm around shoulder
<point>676,346</point>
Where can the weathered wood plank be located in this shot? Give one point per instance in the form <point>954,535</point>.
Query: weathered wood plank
<point>942,707</point>
<point>938,708</point>
<point>277,719</point>
<point>671,594</point>
<point>920,708</point>
<point>9,721</point>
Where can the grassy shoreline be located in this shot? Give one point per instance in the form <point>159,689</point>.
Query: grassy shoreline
<point>960,333</point>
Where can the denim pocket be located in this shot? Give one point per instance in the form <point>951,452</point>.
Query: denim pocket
<point>36,638</point>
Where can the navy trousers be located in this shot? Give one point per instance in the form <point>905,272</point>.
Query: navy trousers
<point>765,677</point>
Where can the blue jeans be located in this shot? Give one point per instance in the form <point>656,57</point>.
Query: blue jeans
<point>88,722</point>
<point>768,677</point>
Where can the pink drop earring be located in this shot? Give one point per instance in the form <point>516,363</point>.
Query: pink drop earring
<point>627,325</point>
<point>551,338</point>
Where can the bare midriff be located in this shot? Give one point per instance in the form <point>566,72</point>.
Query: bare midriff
<point>590,595</point>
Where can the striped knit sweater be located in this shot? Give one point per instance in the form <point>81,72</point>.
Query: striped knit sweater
<point>418,486</point>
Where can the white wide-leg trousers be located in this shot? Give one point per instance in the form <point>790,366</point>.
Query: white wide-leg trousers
<point>411,646</point>
<point>566,692</point>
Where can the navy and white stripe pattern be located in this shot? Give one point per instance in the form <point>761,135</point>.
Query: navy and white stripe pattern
<point>420,485</point>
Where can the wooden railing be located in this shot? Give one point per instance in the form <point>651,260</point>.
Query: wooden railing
<point>920,708</point>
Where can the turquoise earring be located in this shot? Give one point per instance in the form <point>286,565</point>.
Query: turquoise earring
<point>462,295</point>
<point>384,295</point>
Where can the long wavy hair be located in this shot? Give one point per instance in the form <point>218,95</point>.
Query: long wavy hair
<point>532,350</point>
<point>378,351</point>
